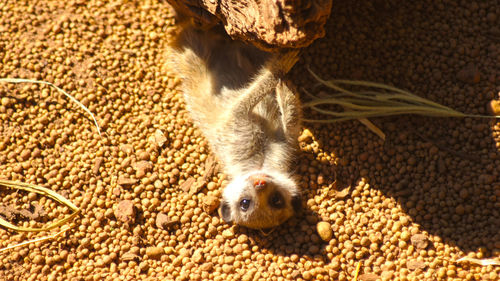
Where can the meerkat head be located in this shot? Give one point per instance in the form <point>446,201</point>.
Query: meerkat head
<point>260,199</point>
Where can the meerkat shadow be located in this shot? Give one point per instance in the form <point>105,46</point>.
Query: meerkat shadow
<point>417,173</point>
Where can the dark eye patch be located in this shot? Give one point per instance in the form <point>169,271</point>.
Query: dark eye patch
<point>225,211</point>
<point>276,200</point>
<point>296,203</point>
<point>245,204</point>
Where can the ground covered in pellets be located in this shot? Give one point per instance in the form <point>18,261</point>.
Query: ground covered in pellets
<point>407,208</point>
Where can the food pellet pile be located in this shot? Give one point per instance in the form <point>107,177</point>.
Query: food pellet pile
<point>407,208</point>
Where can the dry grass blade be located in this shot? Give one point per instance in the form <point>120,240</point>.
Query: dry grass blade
<point>36,240</point>
<point>482,262</point>
<point>43,191</point>
<point>20,80</point>
<point>372,127</point>
<point>374,101</point>
<point>356,273</point>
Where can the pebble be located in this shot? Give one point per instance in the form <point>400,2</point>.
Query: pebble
<point>306,136</point>
<point>419,241</point>
<point>125,211</point>
<point>405,235</point>
<point>154,252</point>
<point>210,203</point>
<point>494,107</point>
<point>197,256</point>
<point>126,181</point>
<point>163,221</point>
<point>324,230</point>
<point>228,233</point>
<point>159,138</point>
<point>40,260</point>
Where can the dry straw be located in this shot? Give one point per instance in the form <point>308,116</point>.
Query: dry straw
<point>21,80</point>
<point>373,100</point>
<point>42,190</point>
<point>45,192</point>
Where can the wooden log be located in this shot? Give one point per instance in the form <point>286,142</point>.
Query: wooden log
<point>268,24</point>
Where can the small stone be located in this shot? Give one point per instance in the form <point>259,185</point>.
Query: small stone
<point>106,260</point>
<point>158,184</point>
<point>125,211</point>
<point>207,266</point>
<point>141,168</point>
<point>97,165</point>
<point>226,268</point>
<point>494,107</point>
<point>419,241</point>
<point>210,204</point>
<point>177,144</point>
<point>306,136</point>
<point>197,256</point>
<point>365,241</point>
<point>153,35</point>
<point>39,259</point>
<point>127,148</point>
<point>143,266</point>
<point>186,186</point>
<point>159,138</point>
<point>5,101</point>
<point>163,221</point>
<point>123,180</point>
<point>142,155</point>
<point>130,257</point>
<point>343,193</point>
<point>307,275</point>
<point>56,28</point>
<point>415,264</point>
<point>405,235</point>
<point>25,154</point>
<point>154,252</point>
<point>387,275</point>
<point>451,273</point>
<point>325,231</point>
<point>228,233</point>
<point>363,156</point>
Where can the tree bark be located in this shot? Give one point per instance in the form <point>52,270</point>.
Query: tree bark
<point>268,24</point>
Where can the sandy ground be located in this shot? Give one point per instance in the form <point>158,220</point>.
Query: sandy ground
<point>404,209</point>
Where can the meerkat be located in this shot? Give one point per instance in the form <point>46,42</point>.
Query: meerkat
<point>236,94</point>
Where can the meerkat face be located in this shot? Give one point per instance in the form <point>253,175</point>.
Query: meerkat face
<point>260,200</point>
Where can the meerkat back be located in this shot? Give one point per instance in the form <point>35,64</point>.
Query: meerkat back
<point>210,66</point>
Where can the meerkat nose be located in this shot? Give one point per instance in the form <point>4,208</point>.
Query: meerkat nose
<point>259,181</point>
<point>259,184</point>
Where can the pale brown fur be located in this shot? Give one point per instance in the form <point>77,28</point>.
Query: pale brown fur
<point>236,95</point>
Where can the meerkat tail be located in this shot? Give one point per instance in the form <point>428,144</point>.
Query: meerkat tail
<point>190,56</point>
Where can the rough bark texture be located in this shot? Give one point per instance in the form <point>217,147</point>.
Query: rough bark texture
<point>268,24</point>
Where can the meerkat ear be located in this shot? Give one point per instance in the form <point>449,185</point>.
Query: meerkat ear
<point>297,203</point>
<point>225,212</point>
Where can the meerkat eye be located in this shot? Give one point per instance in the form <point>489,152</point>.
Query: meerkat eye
<point>276,200</point>
<point>245,204</point>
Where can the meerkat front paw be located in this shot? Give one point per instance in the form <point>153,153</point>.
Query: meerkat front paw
<point>283,62</point>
